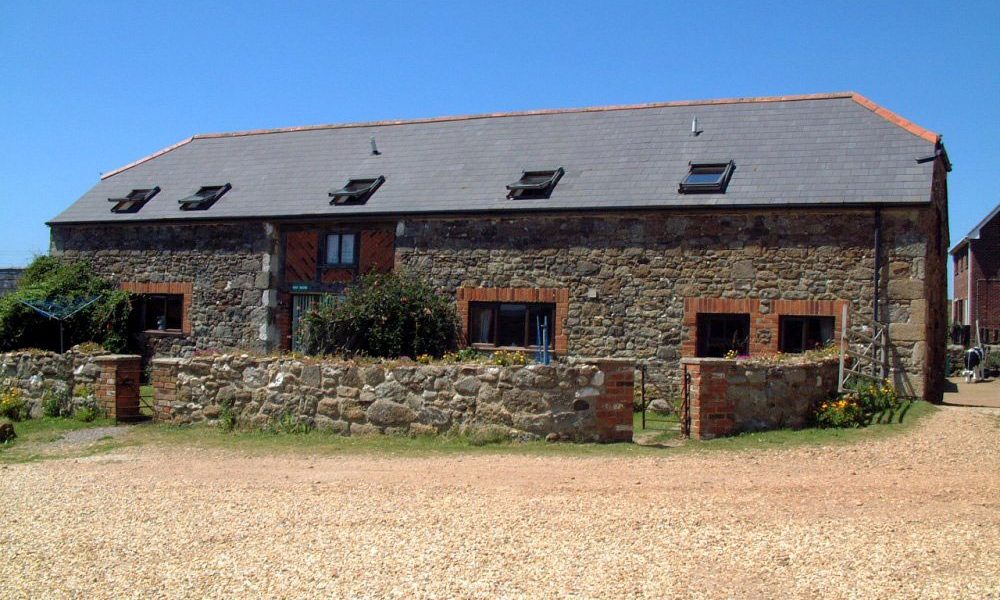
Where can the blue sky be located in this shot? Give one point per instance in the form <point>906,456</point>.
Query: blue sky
<point>86,87</point>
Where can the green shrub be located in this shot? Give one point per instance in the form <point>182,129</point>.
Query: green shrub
<point>843,412</point>
<point>874,397</point>
<point>227,420</point>
<point>287,423</point>
<point>463,355</point>
<point>13,406</point>
<point>52,278</point>
<point>490,434</point>
<point>85,414</point>
<point>53,404</point>
<point>383,315</point>
<point>856,407</point>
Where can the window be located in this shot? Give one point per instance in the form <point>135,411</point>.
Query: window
<point>719,334</point>
<point>707,178</point>
<point>133,201</point>
<point>357,191</point>
<point>341,249</point>
<point>799,334</point>
<point>962,262</point>
<point>510,324</point>
<point>158,312</point>
<point>204,197</point>
<point>534,184</point>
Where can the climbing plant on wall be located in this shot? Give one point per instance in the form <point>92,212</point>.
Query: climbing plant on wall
<point>53,281</point>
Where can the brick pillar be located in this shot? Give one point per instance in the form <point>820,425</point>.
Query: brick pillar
<point>118,386</point>
<point>164,387</point>
<point>614,405</point>
<point>712,410</point>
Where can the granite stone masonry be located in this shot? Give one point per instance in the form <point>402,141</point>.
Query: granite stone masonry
<point>636,281</point>
<point>583,402</point>
<point>627,285</point>
<point>732,396</point>
<point>223,271</point>
<point>72,376</point>
<point>9,279</point>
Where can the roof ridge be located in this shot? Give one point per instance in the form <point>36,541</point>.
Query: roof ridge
<point>883,112</point>
<point>528,113</point>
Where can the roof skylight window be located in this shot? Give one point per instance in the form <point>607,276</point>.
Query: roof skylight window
<point>707,178</point>
<point>357,191</point>
<point>534,184</point>
<point>204,197</point>
<point>133,201</point>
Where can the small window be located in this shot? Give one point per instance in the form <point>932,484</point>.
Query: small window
<point>707,178</point>
<point>534,184</point>
<point>159,312</point>
<point>204,197</point>
<point>341,249</point>
<point>799,334</point>
<point>134,200</point>
<point>501,324</point>
<point>357,191</point>
<point>720,334</point>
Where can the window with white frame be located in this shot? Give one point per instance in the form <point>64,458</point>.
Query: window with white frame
<point>341,250</point>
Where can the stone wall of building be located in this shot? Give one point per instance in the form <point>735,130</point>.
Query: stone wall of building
<point>39,375</point>
<point>625,284</point>
<point>9,279</point>
<point>726,397</point>
<point>224,270</point>
<point>584,402</point>
<point>628,275</point>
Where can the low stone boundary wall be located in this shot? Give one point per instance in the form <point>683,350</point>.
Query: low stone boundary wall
<point>581,402</point>
<point>108,382</point>
<point>38,374</point>
<point>731,396</point>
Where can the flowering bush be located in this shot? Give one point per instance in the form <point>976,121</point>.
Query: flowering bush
<point>12,403</point>
<point>507,358</point>
<point>845,412</point>
<point>856,407</point>
<point>877,398</point>
<point>463,355</point>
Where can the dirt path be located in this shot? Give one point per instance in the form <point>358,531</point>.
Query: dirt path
<point>916,516</point>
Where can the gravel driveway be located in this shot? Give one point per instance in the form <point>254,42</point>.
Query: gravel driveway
<point>916,516</point>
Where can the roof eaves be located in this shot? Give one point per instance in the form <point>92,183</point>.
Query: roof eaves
<point>976,231</point>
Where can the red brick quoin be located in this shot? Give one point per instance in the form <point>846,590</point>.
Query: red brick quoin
<point>614,405</point>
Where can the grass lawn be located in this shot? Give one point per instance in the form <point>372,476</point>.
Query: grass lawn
<point>882,424</point>
<point>35,435</point>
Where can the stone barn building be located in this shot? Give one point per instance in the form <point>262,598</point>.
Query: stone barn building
<point>977,280</point>
<point>650,232</point>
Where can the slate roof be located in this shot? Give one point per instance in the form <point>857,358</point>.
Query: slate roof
<point>976,231</point>
<point>825,149</point>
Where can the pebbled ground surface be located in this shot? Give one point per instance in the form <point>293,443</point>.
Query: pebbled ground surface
<point>912,516</point>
